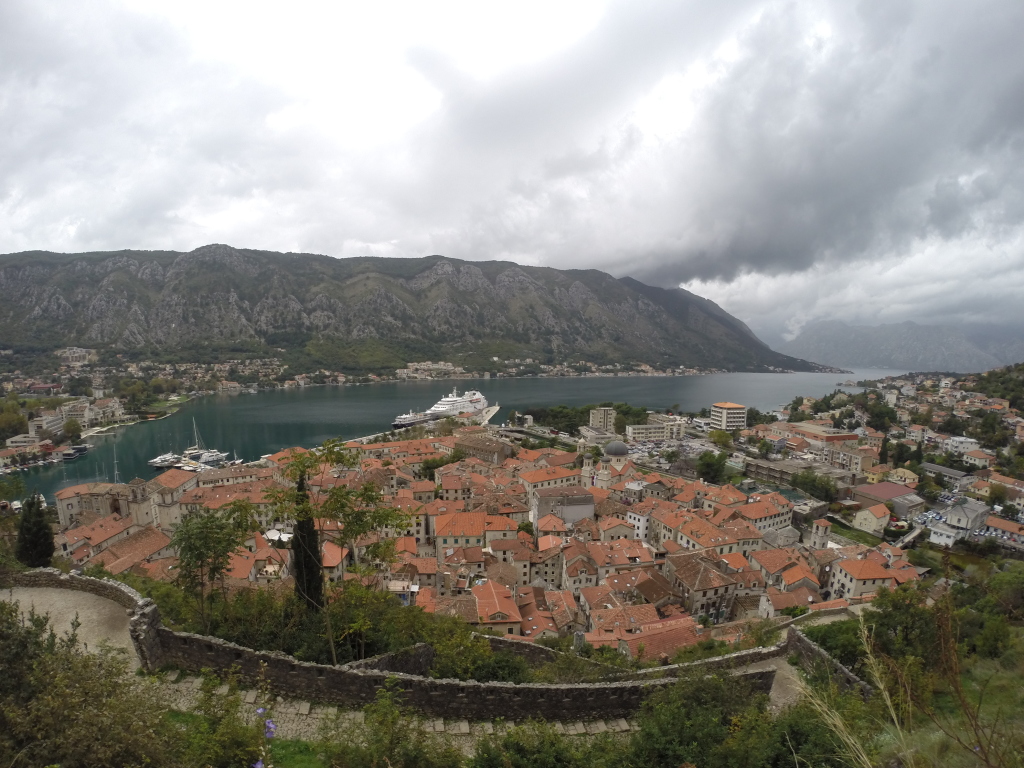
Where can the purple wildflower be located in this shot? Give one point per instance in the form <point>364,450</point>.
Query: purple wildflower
<point>271,729</point>
<point>260,711</point>
<point>258,763</point>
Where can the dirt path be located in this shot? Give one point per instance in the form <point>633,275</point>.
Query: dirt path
<point>100,620</point>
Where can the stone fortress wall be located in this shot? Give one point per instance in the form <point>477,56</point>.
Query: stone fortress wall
<point>356,684</point>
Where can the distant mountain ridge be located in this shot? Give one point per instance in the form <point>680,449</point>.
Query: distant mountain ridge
<point>367,313</point>
<point>907,345</point>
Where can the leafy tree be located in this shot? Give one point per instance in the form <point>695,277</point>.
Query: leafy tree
<point>1005,592</point>
<point>12,421</point>
<point>953,425</point>
<point>823,488</point>
<point>35,537</point>
<point>359,512</point>
<point>501,667</point>
<point>841,639</point>
<point>204,542</point>
<point>526,527</point>
<point>671,455</point>
<point>620,424</point>
<point>569,419</point>
<point>883,452</point>
<point>136,393</point>
<point>997,494</point>
<point>764,448</point>
<point>755,417</point>
<point>721,438</point>
<point>903,623</point>
<point>429,466</point>
<point>73,430</point>
<point>686,722</point>
<point>923,418</point>
<point>711,466</point>
<point>79,386</point>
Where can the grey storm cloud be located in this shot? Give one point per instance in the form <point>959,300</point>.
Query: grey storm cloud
<point>811,143</point>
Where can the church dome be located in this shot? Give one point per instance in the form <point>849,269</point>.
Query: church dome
<point>616,448</point>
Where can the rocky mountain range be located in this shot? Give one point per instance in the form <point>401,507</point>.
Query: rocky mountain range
<point>364,312</point>
<point>908,346</point>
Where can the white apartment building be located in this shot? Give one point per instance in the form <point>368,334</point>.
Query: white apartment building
<point>648,432</point>
<point>728,416</point>
<point>603,419</point>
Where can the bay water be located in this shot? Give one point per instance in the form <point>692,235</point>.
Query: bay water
<point>255,425</point>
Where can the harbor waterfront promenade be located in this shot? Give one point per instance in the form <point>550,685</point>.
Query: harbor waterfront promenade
<point>251,426</point>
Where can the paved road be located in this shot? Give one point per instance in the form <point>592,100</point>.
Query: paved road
<point>101,620</point>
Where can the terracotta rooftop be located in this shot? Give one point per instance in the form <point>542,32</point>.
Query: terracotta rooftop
<point>175,478</point>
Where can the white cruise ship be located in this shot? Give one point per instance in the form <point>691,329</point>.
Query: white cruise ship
<point>450,405</point>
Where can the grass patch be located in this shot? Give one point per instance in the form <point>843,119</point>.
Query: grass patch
<point>861,537</point>
<point>928,556</point>
<point>924,557</point>
<point>292,753</point>
<point>286,753</point>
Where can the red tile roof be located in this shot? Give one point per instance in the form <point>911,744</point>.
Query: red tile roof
<point>175,478</point>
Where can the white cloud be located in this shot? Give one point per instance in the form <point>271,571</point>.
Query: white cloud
<point>866,157</point>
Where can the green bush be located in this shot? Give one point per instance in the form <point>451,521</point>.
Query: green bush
<point>389,737</point>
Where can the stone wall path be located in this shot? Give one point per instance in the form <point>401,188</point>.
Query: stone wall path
<point>304,720</point>
<point>104,621</point>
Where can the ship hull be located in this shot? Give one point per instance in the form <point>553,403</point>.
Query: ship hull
<point>402,424</point>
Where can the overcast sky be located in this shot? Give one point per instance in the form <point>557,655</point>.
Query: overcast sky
<point>791,160</point>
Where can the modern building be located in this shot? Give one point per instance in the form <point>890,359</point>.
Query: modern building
<point>636,432</point>
<point>603,419</point>
<point>728,416</point>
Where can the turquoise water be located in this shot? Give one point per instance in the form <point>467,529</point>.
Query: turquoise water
<point>255,425</point>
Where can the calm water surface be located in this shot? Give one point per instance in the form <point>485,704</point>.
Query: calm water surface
<point>255,425</point>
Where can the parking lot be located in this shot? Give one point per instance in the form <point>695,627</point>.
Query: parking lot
<point>933,517</point>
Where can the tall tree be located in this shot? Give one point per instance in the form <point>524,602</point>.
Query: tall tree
<point>357,512</point>
<point>35,537</point>
<point>204,542</point>
<point>883,452</point>
<point>307,563</point>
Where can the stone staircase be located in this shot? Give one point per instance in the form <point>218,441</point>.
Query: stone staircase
<point>297,719</point>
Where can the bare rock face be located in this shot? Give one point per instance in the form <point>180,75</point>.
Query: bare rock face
<point>430,307</point>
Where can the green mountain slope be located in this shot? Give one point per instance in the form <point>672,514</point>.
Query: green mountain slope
<point>366,313</point>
